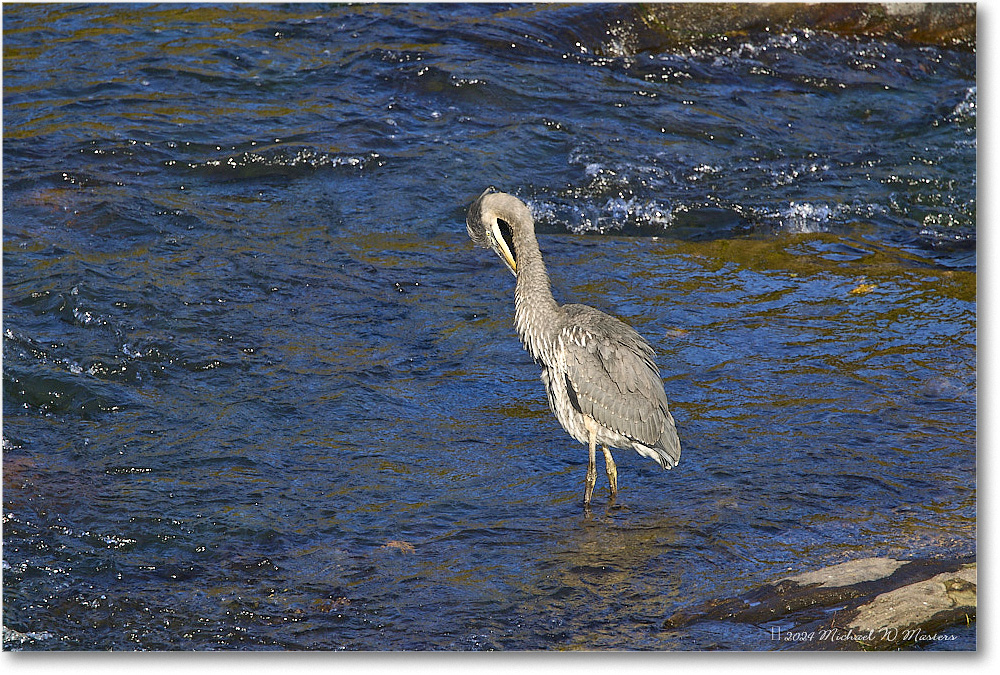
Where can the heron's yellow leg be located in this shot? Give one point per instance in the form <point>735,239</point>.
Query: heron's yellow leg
<point>609,464</point>
<point>592,466</point>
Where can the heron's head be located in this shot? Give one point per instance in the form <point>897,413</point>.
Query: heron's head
<point>492,221</point>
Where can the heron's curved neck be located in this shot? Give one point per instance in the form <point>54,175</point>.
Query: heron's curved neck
<point>536,313</point>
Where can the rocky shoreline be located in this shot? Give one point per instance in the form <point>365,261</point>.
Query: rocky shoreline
<point>866,604</point>
<point>951,25</point>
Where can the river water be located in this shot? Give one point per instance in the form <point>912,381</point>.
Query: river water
<point>260,391</point>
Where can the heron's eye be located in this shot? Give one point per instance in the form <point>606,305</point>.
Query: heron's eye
<point>508,237</point>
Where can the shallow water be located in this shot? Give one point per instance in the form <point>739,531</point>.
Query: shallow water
<point>260,392</point>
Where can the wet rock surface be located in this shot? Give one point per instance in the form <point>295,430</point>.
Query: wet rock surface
<point>939,24</point>
<point>867,604</point>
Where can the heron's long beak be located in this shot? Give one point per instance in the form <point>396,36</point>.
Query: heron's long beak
<point>500,244</point>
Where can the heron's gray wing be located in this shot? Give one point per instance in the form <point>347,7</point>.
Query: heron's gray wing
<point>612,375</point>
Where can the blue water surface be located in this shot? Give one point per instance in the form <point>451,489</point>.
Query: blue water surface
<point>260,391</point>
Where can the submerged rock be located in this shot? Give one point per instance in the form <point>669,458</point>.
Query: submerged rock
<point>939,24</point>
<point>873,603</point>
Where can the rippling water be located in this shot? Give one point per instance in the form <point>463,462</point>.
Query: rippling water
<point>260,391</point>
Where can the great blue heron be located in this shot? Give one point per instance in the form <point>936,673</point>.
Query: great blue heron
<point>600,375</point>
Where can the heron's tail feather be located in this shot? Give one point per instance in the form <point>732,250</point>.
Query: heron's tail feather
<point>666,453</point>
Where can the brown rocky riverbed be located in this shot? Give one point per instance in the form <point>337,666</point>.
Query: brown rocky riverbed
<point>940,24</point>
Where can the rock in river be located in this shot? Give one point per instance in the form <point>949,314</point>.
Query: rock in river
<point>870,604</point>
